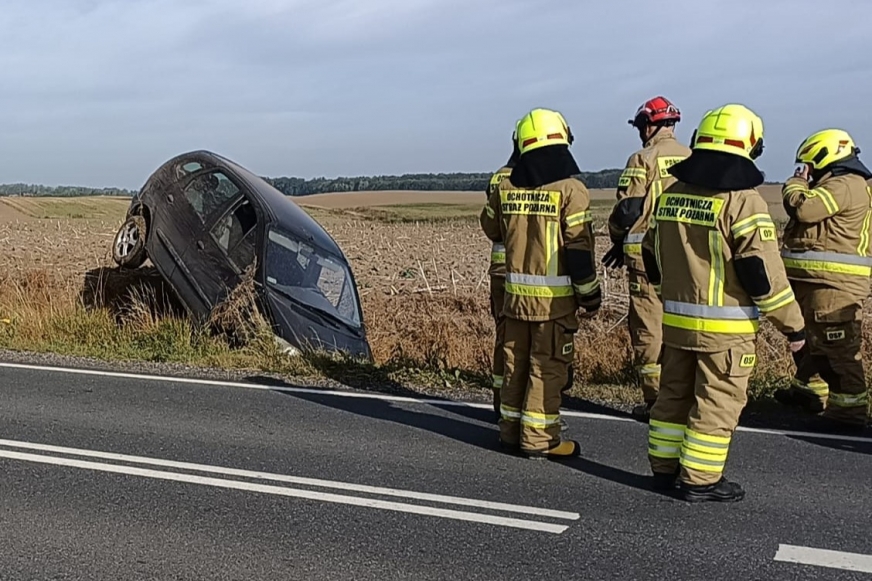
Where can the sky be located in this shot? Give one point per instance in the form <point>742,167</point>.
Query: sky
<point>100,92</point>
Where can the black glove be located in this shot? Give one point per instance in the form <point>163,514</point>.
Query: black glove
<point>592,302</point>
<point>614,258</point>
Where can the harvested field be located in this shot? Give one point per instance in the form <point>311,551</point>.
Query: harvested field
<point>420,260</point>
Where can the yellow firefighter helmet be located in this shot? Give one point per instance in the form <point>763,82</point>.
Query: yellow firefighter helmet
<point>825,148</point>
<point>733,129</point>
<point>541,128</point>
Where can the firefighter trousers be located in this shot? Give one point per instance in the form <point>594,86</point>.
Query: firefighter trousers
<point>831,367</point>
<point>646,333</point>
<point>497,298</point>
<point>692,422</point>
<point>538,357</point>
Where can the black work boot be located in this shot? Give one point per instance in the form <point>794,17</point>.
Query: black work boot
<point>794,397</point>
<point>642,412</point>
<point>829,425</point>
<point>665,481</point>
<point>722,491</point>
<point>565,450</point>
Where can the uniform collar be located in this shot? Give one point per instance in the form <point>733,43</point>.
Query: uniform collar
<point>661,136</point>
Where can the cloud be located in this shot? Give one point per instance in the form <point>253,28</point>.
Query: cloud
<point>99,92</point>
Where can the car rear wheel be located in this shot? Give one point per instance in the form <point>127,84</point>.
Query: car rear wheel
<point>128,248</point>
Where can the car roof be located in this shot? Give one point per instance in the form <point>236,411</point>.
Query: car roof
<point>284,211</point>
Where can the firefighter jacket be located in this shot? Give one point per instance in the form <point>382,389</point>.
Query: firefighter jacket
<point>498,249</point>
<point>714,255</point>
<point>826,239</point>
<point>642,181</point>
<point>549,248</point>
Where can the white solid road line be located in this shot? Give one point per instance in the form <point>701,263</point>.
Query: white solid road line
<point>291,492</point>
<point>436,498</point>
<point>824,558</point>
<point>380,396</point>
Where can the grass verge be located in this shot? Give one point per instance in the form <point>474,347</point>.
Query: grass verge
<point>435,342</point>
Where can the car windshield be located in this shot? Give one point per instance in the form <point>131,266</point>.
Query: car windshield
<point>311,276</point>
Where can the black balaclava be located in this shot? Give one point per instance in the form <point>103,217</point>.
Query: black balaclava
<point>717,170</point>
<point>851,165</point>
<point>516,155</point>
<point>544,165</point>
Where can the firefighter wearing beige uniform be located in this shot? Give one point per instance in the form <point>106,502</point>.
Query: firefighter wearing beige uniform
<point>497,274</point>
<point>713,250</point>
<point>645,176</point>
<point>828,256</point>
<point>541,214</point>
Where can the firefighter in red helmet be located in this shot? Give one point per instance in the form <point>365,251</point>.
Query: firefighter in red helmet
<point>644,178</point>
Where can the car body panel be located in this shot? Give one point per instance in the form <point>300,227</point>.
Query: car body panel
<point>208,219</point>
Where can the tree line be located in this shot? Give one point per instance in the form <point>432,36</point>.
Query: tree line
<point>292,186</point>
<point>431,182</point>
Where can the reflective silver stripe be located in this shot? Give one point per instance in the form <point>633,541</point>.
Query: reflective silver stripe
<point>837,257</point>
<point>707,312</point>
<point>634,238</point>
<point>497,247</point>
<point>536,280</point>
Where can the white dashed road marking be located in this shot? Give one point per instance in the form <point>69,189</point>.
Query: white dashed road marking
<point>824,558</point>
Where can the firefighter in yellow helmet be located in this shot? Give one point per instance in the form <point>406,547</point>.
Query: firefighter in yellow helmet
<point>542,215</point>
<point>497,273</point>
<point>643,179</point>
<point>828,256</point>
<point>712,250</point>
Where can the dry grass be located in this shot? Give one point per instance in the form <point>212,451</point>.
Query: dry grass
<point>421,270</point>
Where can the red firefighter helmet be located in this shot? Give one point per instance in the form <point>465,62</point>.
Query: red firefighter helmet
<point>656,111</point>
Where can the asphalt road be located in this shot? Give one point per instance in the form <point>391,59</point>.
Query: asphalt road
<point>119,477</point>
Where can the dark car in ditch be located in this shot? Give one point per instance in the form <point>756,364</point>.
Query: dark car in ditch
<point>202,220</point>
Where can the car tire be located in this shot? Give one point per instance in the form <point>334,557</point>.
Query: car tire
<point>128,247</point>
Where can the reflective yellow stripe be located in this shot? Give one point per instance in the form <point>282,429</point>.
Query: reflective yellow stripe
<point>664,439</point>
<point>587,288</point>
<point>509,413</point>
<point>650,369</point>
<point>552,244</point>
<point>776,301</point>
<point>824,266</point>
<point>704,452</point>
<point>738,327</point>
<point>539,420</point>
<point>634,249</point>
<point>498,253</point>
<point>490,212</point>
<point>863,247</point>
<point>542,292</point>
<point>635,172</point>
<point>497,381</point>
<point>716,272</point>
<point>748,225</point>
<point>656,190</point>
<point>577,219</point>
<point>666,430</point>
<point>717,442</point>
<point>818,388</point>
<point>793,188</point>
<point>844,400</point>
<point>530,285</point>
<point>827,198</point>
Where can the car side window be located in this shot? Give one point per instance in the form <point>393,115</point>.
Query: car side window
<point>209,192</point>
<point>235,234</point>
